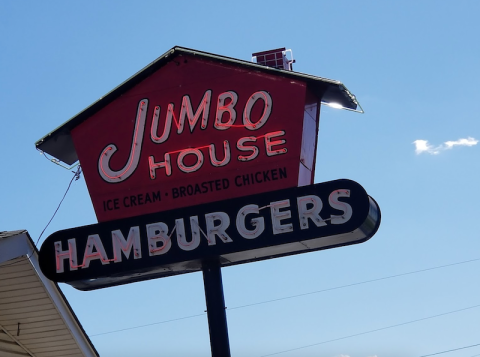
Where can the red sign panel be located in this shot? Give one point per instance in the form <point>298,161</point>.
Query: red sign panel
<point>197,131</point>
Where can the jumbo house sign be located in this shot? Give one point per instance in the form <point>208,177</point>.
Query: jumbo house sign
<point>193,128</point>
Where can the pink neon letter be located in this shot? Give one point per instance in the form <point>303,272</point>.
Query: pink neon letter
<point>104,169</point>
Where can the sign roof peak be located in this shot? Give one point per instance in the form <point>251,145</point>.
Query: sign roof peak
<point>59,144</point>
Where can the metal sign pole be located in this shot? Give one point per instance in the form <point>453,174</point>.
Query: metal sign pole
<point>217,317</point>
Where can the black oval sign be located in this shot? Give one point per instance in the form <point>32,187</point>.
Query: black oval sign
<point>241,230</point>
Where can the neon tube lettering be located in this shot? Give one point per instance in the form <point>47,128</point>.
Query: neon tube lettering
<point>158,232</point>
<point>278,216</point>
<point>226,159</point>
<point>229,108</point>
<point>187,112</point>
<point>94,242</point>
<point>168,125</point>
<point>313,213</point>
<point>257,222</point>
<point>219,229</point>
<point>120,245</point>
<point>181,236</point>
<point>109,175</point>
<point>267,109</point>
<point>341,206</point>
<point>70,254</point>
<point>156,165</point>
<point>193,168</point>
<point>242,147</point>
<point>269,143</point>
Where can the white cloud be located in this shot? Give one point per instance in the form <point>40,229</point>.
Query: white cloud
<point>422,146</point>
<point>461,142</point>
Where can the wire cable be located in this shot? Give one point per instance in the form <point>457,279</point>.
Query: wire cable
<point>146,325</point>
<point>354,284</point>
<point>375,330</point>
<point>456,349</point>
<point>75,177</point>
<point>299,295</point>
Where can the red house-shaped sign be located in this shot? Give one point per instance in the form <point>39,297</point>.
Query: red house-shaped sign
<point>193,128</point>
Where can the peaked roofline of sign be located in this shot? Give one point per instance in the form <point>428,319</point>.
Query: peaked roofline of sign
<point>58,143</point>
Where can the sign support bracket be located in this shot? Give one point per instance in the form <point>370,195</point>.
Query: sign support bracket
<point>216,314</point>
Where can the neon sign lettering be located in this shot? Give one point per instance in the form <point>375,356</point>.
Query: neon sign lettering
<point>104,160</point>
<point>225,117</point>
<point>249,223</point>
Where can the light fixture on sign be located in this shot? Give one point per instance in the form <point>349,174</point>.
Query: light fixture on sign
<point>336,105</point>
<point>278,59</point>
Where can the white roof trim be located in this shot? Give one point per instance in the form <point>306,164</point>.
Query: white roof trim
<point>20,245</point>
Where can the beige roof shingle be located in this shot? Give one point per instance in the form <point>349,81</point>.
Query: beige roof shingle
<point>35,318</point>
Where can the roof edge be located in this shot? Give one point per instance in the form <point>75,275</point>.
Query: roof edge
<point>59,144</point>
<point>28,249</point>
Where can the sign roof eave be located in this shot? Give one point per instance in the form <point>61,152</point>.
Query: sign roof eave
<point>58,143</point>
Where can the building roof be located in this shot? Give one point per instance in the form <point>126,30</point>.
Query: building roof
<point>35,317</point>
<point>59,143</point>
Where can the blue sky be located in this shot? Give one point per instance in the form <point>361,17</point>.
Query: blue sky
<point>414,68</point>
